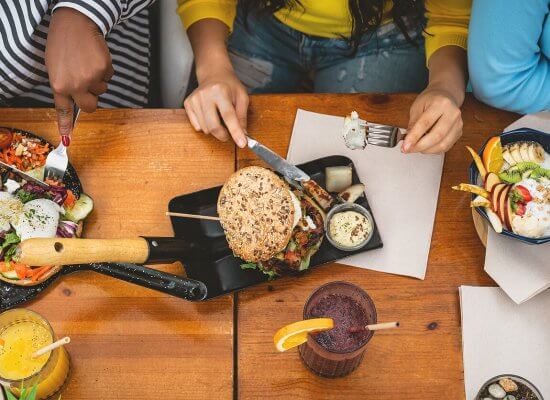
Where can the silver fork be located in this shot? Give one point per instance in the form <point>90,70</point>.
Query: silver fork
<point>383,135</point>
<point>57,160</point>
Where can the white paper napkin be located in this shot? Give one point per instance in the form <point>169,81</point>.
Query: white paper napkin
<point>539,121</point>
<point>501,337</point>
<point>402,191</point>
<point>521,270</point>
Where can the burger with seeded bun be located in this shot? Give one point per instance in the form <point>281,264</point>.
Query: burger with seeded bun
<point>270,227</point>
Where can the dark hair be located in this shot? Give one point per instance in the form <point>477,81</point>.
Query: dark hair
<point>366,15</point>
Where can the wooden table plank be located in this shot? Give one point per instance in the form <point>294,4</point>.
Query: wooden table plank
<point>423,358</point>
<point>128,341</point>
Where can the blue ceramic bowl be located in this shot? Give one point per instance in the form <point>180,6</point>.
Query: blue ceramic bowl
<point>519,135</point>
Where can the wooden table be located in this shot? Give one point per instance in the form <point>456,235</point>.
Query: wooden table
<point>129,341</point>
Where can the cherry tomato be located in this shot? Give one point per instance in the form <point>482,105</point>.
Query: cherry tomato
<point>6,137</point>
<point>291,257</point>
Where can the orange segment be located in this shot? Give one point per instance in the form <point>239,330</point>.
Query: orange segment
<point>295,334</point>
<point>492,155</point>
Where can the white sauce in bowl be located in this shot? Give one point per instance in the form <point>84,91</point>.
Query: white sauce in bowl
<point>349,228</point>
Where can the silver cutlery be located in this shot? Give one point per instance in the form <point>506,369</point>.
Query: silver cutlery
<point>24,175</point>
<point>57,160</point>
<point>277,162</point>
<point>383,135</point>
<point>293,175</point>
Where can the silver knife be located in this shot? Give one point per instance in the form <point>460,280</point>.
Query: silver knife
<point>277,162</point>
<point>24,175</point>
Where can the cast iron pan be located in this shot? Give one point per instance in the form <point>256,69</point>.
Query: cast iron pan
<point>161,251</point>
<point>212,269</point>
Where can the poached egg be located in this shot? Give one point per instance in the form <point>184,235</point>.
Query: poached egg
<point>39,219</point>
<point>36,218</point>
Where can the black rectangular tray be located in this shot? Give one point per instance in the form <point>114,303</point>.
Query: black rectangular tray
<point>216,265</point>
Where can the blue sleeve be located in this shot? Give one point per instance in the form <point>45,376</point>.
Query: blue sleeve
<point>509,66</point>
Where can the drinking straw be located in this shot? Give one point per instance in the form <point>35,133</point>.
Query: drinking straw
<point>375,327</point>
<point>50,347</point>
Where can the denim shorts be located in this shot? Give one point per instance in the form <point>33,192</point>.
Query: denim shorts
<point>271,57</point>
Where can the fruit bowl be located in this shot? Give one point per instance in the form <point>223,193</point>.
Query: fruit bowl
<point>518,135</point>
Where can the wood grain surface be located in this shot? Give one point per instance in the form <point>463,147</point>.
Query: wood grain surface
<point>423,358</point>
<point>129,342</point>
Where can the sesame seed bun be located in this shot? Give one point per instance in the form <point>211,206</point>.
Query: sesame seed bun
<point>257,213</point>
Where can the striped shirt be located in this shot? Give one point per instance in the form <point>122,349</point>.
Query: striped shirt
<point>23,32</point>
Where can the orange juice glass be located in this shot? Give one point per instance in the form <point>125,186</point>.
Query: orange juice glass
<point>22,333</point>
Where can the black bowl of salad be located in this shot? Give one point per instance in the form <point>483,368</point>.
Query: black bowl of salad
<point>29,210</point>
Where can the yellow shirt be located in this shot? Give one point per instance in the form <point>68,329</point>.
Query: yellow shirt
<point>447,19</point>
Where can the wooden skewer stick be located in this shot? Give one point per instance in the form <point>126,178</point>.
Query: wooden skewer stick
<point>375,327</point>
<point>195,216</point>
<point>50,347</point>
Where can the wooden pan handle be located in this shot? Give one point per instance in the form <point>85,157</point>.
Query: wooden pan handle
<point>61,251</point>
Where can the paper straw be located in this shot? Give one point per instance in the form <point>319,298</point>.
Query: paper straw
<point>50,347</point>
<point>375,327</point>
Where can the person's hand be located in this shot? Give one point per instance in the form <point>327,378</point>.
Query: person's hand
<point>435,123</point>
<point>78,63</point>
<point>220,94</point>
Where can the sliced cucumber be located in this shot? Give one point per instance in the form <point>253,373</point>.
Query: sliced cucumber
<point>37,173</point>
<point>10,275</point>
<point>81,209</point>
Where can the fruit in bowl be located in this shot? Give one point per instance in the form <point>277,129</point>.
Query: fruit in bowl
<point>513,187</point>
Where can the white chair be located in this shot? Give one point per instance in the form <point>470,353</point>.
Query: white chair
<point>176,56</point>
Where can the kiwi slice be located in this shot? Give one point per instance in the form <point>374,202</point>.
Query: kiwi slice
<point>540,172</point>
<point>510,176</point>
<point>523,166</point>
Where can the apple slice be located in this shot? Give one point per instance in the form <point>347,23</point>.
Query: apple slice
<point>494,220</point>
<point>503,195</point>
<point>499,187</point>
<point>491,181</point>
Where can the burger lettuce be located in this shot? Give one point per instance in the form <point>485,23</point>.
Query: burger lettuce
<point>305,241</point>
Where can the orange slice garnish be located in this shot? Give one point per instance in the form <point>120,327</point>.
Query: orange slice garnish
<point>492,155</point>
<point>295,334</point>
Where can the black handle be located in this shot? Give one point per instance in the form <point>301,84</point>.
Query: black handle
<point>165,250</point>
<point>188,289</point>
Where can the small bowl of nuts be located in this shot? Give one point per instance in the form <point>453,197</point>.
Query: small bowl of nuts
<point>508,387</point>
